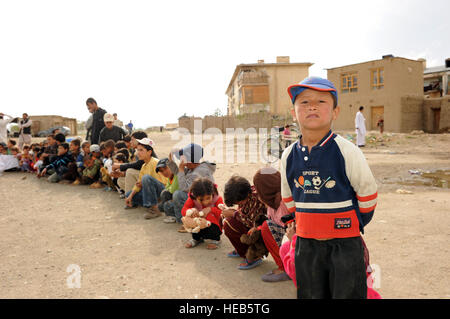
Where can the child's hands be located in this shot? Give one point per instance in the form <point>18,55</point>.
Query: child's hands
<point>290,231</point>
<point>128,201</point>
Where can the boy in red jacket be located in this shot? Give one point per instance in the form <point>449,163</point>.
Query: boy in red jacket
<point>203,196</point>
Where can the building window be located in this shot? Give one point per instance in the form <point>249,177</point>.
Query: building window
<point>377,78</point>
<point>349,82</point>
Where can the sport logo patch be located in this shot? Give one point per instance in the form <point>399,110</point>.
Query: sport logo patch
<point>341,223</point>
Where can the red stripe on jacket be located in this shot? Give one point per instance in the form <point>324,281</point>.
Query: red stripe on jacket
<point>367,198</point>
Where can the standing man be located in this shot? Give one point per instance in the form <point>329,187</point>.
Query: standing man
<point>111,131</point>
<point>25,131</point>
<point>130,127</point>
<point>117,122</point>
<point>97,119</point>
<point>3,129</point>
<point>360,128</point>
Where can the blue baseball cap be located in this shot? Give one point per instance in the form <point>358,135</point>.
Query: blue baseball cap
<point>193,153</point>
<point>313,83</point>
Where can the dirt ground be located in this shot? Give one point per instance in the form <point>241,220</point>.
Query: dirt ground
<point>45,228</point>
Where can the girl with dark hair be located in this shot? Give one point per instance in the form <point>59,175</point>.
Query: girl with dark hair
<point>203,196</point>
<point>238,191</point>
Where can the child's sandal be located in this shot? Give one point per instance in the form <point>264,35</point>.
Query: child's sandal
<point>214,244</point>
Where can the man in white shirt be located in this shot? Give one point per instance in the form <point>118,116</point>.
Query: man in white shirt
<point>360,128</point>
<point>3,129</point>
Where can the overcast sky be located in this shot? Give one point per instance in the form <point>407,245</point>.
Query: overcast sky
<point>153,61</point>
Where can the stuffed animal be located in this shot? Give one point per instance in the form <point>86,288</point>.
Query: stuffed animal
<point>194,221</point>
<point>257,248</point>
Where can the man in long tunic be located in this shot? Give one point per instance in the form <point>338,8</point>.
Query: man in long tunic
<point>360,128</point>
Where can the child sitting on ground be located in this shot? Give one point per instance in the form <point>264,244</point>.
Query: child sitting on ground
<point>166,203</point>
<point>59,164</point>
<point>25,159</point>
<point>91,171</point>
<point>11,144</point>
<point>203,196</point>
<point>96,153</point>
<point>85,146</point>
<point>74,151</point>
<point>119,158</point>
<point>107,149</point>
<point>38,162</point>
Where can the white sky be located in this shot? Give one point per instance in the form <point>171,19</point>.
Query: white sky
<point>152,61</point>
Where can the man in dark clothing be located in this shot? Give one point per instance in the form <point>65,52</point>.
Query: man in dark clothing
<point>110,131</point>
<point>97,119</point>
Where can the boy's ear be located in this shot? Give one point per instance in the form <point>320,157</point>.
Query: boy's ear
<point>294,116</point>
<point>336,112</point>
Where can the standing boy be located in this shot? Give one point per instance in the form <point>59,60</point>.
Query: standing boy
<point>327,182</point>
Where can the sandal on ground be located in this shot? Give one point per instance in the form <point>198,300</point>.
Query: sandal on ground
<point>249,265</point>
<point>233,254</point>
<point>182,229</point>
<point>192,243</point>
<point>213,244</point>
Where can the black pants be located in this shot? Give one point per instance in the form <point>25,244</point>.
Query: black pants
<point>330,269</point>
<point>212,232</point>
<point>164,197</point>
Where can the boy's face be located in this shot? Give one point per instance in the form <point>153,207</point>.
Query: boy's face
<point>73,147</point>
<point>205,200</point>
<point>51,141</point>
<point>9,145</point>
<point>314,110</point>
<point>165,171</point>
<point>61,150</point>
<point>96,154</point>
<point>14,152</point>
<point>143,154</point>
<point>86,148</point>
<point>2,149</point>
<point>128,144</point>
<point>134,143</point>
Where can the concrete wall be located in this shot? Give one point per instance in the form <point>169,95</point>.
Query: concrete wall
<point>402,77</point>
<point>412,113</point>
<point>441,104</point>
<point>256,120</point>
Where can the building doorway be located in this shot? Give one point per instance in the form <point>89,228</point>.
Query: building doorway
<point>376,114</point>
<point>436,120</point>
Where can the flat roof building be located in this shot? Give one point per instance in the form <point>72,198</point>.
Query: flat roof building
<point>261,87</point>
